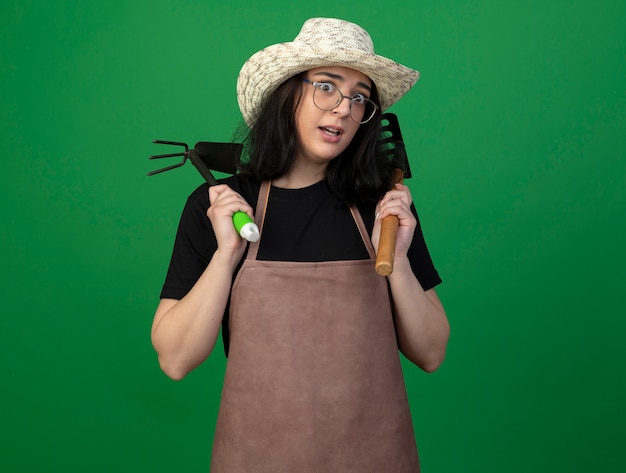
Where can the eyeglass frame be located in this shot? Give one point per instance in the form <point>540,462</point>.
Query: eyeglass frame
<point>351,98</point>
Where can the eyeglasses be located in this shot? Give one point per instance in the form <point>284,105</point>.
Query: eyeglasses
<point>328,97</point>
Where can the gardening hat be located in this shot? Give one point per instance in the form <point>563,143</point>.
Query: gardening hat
<point>321,42</point>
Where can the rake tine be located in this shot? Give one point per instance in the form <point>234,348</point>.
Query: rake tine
<point>175,143</point>
<point>173,166</point>
<point>169,155</point>
<point>172,155</point>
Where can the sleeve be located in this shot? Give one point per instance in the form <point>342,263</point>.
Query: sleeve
<point>194,246</point>
<point>420,259</point>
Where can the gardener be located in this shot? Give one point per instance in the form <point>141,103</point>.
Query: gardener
<point>312,332</point>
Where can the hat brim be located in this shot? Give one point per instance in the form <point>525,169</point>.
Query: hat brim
<point>270,67</point>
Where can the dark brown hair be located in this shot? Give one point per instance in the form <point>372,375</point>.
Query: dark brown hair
<point>359,174</point>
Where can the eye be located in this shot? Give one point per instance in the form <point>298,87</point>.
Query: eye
<point>326,87</point>
<point>359,99</point>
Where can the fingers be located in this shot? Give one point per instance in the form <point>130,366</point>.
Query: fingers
<point>224,203</point>
<point>395,202</point>
<point>224,200</point>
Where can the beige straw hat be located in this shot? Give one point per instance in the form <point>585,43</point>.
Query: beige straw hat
<point>321,42</point>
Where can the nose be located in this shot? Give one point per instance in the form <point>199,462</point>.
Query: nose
<point>343,108</point>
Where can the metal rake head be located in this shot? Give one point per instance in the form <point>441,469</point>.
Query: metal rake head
<point>205,156</point>
<point>393,143</point>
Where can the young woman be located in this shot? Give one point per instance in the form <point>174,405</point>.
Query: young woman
<point>312,332</point>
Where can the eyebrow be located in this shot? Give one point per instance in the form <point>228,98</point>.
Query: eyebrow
<point>338,77</point>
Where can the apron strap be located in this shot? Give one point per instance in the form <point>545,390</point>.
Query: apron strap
<point>356,215</point>
<point>259,219</point>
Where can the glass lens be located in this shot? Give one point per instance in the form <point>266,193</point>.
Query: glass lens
<point>362,111</point>
<point>326,96</point>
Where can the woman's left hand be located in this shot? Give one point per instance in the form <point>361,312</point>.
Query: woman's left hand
<point>421,324</point>
<point>396,202</point>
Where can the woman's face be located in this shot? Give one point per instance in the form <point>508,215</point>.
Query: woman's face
<point>325,134</point>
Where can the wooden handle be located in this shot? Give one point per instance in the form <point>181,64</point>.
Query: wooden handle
<point>388,236</point>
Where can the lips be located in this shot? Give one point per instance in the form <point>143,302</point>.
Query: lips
<point>331,130</point>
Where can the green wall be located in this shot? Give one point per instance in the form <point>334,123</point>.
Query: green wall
<point>516,134</point>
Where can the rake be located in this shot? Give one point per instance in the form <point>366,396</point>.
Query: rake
<point>207,156</point>
<point>394,150</point>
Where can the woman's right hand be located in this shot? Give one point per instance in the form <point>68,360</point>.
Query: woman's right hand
<point>184,331</point>
<point>224,203</point>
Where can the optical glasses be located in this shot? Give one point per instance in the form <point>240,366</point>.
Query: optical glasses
<point>328,97</point>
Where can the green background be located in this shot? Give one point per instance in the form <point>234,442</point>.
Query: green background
<point>516,134</point>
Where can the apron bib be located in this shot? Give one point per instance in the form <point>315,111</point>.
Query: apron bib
<point>313,380</point>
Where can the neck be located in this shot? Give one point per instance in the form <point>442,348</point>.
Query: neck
<point>285,182</point>
<point>300,176</point>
